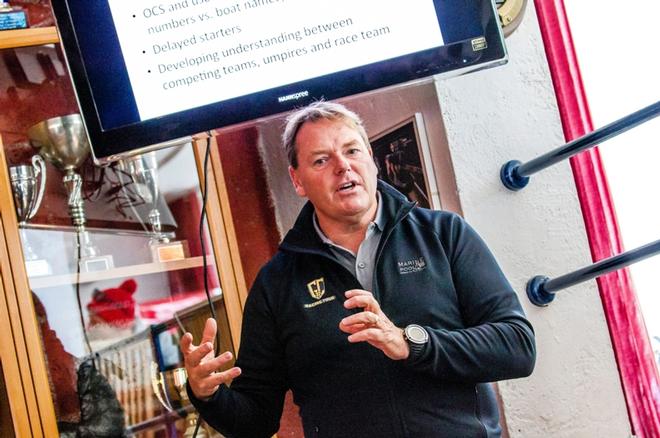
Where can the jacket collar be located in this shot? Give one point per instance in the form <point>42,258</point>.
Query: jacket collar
<point>303,236</point>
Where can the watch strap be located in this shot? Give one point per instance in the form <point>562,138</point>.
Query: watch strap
<point>416,346</point>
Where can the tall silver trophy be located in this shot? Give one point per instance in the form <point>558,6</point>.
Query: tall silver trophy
<point>144,171</point>
<point>63,142</point>
<point>28,183</point>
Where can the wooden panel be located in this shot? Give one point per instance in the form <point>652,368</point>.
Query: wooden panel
<point>27,341</point>
<point>28,37</point>
<point>223,198</point>
<point>222,234</point>
<point>251,205</point>
<point>11,373</point>
<point>6,425</point>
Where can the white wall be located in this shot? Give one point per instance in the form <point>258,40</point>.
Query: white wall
<point>510,113</point>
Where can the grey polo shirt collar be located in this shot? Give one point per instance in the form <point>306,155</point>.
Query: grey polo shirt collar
<point>362,264</point>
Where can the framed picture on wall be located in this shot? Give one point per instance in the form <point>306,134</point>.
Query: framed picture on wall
<point>403,159</point>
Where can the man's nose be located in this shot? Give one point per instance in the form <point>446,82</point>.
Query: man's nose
<point>342,164</point>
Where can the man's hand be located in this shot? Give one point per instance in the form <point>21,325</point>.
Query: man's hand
<point>202,366</point>
<point>373,326</point>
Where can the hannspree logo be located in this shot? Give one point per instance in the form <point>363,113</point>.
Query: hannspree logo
<point>294,96</point>
<point>479,44</point>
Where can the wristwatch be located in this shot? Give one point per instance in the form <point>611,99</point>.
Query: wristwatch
<point>417,338</point>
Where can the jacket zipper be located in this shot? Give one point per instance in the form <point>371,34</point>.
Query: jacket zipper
<point>383,241</point>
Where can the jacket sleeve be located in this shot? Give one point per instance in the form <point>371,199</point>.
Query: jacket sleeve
<point>253,405</point>
<point>497,342</point>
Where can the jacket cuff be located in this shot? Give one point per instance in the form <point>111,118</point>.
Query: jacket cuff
<point>198,402</point>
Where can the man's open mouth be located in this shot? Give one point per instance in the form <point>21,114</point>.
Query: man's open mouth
<point>347,186</point>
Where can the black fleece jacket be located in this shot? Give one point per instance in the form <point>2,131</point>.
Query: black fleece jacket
<point>432,269</point>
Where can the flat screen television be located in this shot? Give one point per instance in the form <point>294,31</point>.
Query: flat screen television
<point>148,73</point>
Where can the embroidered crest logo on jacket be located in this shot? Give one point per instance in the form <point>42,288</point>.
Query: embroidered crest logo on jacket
<point>316,288</point>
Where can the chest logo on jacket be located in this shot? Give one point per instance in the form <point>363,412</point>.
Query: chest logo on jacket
<point>411,266</point>
<point>316,289</point>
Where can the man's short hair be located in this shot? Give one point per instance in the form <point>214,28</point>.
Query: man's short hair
<point>318,111</point>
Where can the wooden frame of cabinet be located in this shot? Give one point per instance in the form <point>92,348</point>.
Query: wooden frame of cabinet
<point>21,353</point>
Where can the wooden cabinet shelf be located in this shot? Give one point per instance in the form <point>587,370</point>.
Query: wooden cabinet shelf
<point>28,37</point>
<point>121,272</point>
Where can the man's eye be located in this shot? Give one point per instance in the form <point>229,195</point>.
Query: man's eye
<point>353,151</point>
<point>320,161</point>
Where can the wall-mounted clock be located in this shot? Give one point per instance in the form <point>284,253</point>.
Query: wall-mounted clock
<point>511,13</point>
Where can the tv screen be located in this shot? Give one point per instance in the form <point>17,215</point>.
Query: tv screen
<point>150,72</point>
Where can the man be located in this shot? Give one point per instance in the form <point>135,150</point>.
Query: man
<point>385,319</point>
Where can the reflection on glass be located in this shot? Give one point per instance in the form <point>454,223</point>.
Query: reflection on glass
<point>144,171</point>
<point>132,315</point>
<point>63,142</point>
<point>28,193</point>
<point>85,403</point>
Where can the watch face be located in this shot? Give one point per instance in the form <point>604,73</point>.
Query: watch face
<point>416,334</point>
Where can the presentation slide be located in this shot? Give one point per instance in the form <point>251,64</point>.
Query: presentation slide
<point>188,53</point>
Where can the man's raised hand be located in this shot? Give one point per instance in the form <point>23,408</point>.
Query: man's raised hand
<point>372,325</point>
<point>201,364</point>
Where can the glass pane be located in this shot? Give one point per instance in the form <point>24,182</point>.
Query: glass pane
<point>39,13</point>
<point>114,295</point>
<point>129,307</point>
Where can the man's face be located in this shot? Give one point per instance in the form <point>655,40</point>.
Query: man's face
<point>336,171</point>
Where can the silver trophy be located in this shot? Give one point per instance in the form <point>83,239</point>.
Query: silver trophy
<point>27,199</point>
<point>144,171</point>
<point>63,142</point>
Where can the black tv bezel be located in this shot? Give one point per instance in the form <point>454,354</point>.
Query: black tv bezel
<point>102,51</point>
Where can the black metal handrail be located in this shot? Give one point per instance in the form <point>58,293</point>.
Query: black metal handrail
<point>541,290</point>
<point>515,175</point>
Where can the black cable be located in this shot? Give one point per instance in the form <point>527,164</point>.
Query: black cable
<point>197,424</point>
<point>207,154</point>
<point>79,301</point>
<point>201,223</point>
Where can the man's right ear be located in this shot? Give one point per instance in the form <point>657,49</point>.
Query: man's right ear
<point>300,191</point>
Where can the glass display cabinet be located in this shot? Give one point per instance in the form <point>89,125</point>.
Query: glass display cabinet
<point>102,269</point>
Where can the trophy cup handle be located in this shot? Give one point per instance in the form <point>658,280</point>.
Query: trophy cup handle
<point>39,166</point>
<point>157,382</point>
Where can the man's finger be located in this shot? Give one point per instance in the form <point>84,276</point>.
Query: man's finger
<point>208,385</point>
<point>210,366</point>
<point>210,330</point>
<point>368,335</point>
<point>216,379</point>
<point>350,329</point>
<point>193,358</point>
<point>366,302</point>
<point>186,344</point>
<point>366,318</point>
<point>355,292</point>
